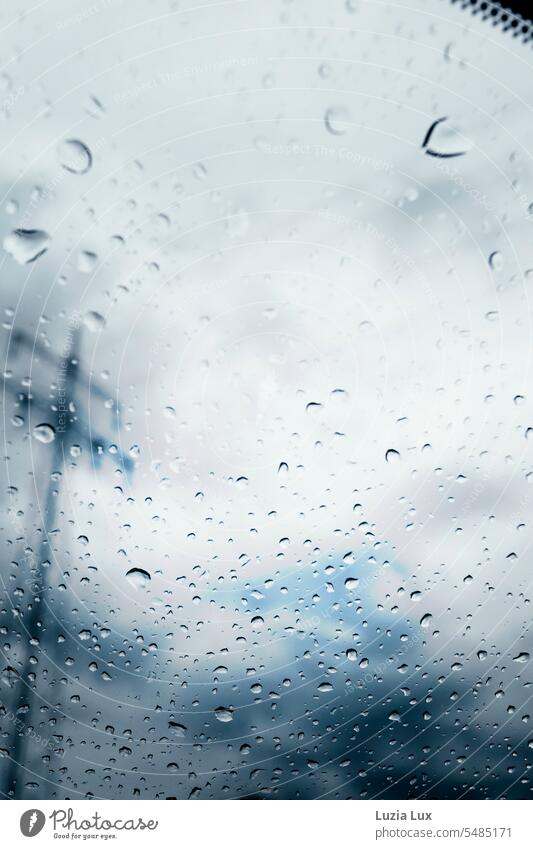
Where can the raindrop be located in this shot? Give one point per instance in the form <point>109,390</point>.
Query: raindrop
<point>94,107</point>
<point>26,246</point>
<point>392,456</point>
<point>9,676</point>
<point>75,156</point>
<point>177,728</point>
<point>199,171</point>
<point>93,321</point>
<point>335,121</point>
<point>86,262</point>
<point>445,141</point>
<point>44,433</point>
<point>496,261</point>
<point>224,714</point>
<point>138,578</point>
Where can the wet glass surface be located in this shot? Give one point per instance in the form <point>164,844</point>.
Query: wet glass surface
<point>267,409</point>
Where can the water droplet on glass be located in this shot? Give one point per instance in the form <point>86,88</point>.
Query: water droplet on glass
<point>86,262</point>
<point>200,171</point>
<point>522,657</point>
<point>392,456</point>
<point>9,676</point>
<point>44,433</point>
<point>26,246</point>
<point>93,321</point>
<point>496,261</point>
<point>177,728</point>
<point>138,578</point>
<point>444,140</point>
<point>75,156</point>
<point>335,121</point>
<point>94,107</point>
<point>224,714</point>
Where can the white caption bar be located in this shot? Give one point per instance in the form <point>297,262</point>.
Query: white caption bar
<point>257,824</point>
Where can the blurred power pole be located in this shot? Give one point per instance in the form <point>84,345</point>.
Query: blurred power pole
<point>69,427</point>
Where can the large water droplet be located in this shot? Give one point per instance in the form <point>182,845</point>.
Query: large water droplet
<point>9,676</point>
<point>75,156</point>
<point>44,433</point>
<point>93,321</point>
<point>26,246</point>
<point>445,140</point>
<point>138,578</point>
<point>392,456</point>
<point>224,714</point>
<point>522,657</point>
<point>177,728</point>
